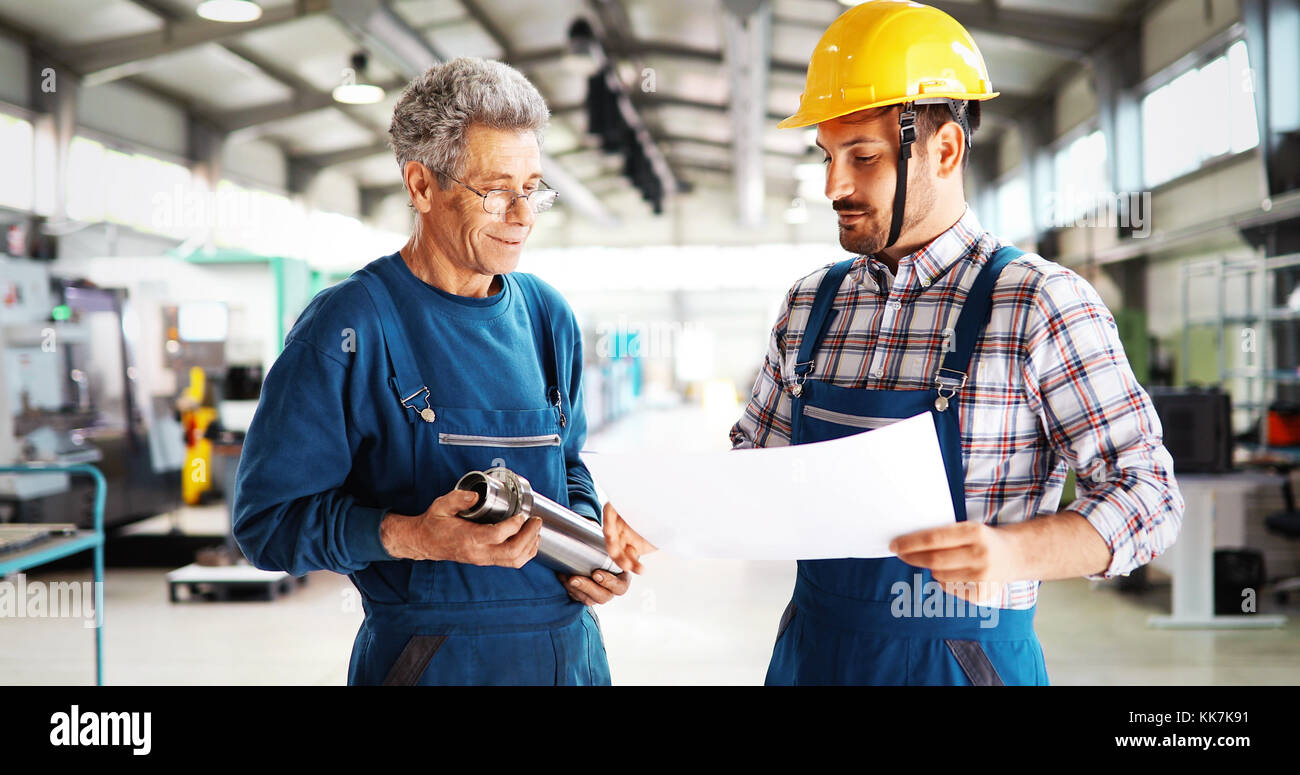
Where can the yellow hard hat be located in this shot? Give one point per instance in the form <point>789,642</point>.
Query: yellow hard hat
<point>888,52</point>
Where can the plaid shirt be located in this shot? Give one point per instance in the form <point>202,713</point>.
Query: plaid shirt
<point>1049,387</point>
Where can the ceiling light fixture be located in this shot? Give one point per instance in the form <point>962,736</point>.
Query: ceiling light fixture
<point>229,10</point>
<point>354,89</point>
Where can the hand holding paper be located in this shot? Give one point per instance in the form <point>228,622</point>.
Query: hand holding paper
<point>624,545</point>
<point>843,498</point>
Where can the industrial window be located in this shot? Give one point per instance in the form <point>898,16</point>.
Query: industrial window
<point>16,185</point>
<point>273,225</point>
<point>1014,209</point>
<point>131,189</point>
<point>1220,95</point>
<point>1081,179</point>
<point>254,220</point>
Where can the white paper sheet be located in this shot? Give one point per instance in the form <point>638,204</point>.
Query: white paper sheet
<point>843,498</point>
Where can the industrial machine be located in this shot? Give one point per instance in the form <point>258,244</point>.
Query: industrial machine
<point>72,394</point>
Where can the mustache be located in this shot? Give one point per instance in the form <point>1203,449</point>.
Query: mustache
<point>840,205</point>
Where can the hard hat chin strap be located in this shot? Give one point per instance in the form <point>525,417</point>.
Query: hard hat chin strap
<point>906,136</point>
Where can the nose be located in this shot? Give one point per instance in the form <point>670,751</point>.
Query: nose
<point>839,183</point>
<point>521,212</point>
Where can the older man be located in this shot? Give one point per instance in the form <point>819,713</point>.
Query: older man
<point>428,363</point>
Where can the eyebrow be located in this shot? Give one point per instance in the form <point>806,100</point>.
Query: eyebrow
<point>854,141</point>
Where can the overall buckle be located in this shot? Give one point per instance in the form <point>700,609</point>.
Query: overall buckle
<point>952,384</point>
<point>801,374</point>
<point>427,414</point>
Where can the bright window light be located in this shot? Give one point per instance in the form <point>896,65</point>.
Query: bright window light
<point>1015,214</point>
<point>17,184</point>
<point>131,189</point>
<point>1214,132</point>
<point>87,175</point>
<point>1081,178</point>
<point>1243,123</point>
<point>1226,82</point>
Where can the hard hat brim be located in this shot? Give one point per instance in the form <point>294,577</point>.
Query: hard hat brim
<point>809,118</point>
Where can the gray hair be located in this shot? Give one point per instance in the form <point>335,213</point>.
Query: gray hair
<point>436,110</point>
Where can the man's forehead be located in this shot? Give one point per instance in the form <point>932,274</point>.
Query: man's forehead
<point>874,125</point>
<point>492,175</point>
<point>503,156</point>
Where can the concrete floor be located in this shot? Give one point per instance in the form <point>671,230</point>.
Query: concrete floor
<point>685,622</point>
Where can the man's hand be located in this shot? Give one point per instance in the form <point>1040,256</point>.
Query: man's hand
<point>1054,546</point>
<point>438,534</point>
<point>601,587</point>
<point>624,545</point>
<point>971,559</point>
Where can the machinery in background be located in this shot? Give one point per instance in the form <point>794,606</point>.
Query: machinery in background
<point>197,416</point>
<point>71,393</point>
<point>1197,428</point>
<point>216,413</point>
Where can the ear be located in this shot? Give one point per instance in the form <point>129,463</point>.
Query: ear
<point>947,148</point>
<point>421,185</point>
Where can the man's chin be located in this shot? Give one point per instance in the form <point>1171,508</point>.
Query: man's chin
<point>859,244</point>
<point>503,258</point>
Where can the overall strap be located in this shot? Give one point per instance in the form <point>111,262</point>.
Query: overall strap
<point>539,313</point>
<point>974,314</point>
<point>819,319</point>
<point>412,392</point>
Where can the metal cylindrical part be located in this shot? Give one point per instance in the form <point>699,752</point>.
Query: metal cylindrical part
<point>496,500</point>
<point>571,543</point>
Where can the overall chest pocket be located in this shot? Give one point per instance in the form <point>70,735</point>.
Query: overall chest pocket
<point>459,440</point>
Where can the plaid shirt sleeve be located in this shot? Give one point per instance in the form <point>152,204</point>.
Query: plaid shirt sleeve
<point>1101,422</point>
<point>766,420</point>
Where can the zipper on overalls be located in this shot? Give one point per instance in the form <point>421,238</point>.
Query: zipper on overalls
<point>467,440</point>
<point>851,420</point>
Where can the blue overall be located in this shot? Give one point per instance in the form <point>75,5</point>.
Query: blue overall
<point>454,623</point>
<point>847,623</point>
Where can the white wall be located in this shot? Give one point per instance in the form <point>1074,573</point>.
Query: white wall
<point>1076,102</point>
<point>334,192</point>
<point>699,220</point>
<point>1179,26</point>
<point>15,86</point>
<point>124,111</point>
<point>257,161</point>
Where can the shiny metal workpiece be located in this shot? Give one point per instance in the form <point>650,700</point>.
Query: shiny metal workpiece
<point>571,543</point>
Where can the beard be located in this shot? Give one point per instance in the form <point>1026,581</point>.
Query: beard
<point>868,236</point>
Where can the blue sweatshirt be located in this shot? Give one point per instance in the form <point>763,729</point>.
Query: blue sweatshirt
<point>329,451</point>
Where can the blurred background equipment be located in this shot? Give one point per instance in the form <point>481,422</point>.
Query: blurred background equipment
<point>73,394</point>
<point>1197,428</point>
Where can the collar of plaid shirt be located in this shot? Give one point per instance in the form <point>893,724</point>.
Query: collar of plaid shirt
<point>926,265</point>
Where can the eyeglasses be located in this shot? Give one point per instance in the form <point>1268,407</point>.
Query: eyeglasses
<point>499,200</point>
